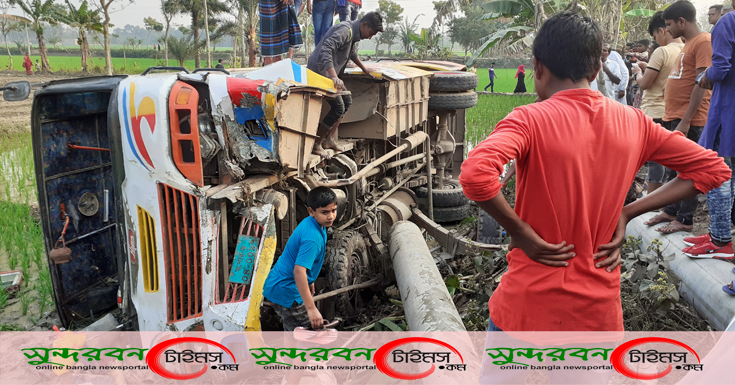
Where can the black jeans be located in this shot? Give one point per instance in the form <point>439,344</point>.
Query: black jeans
<point>339,105</point>
<point>684,210</point>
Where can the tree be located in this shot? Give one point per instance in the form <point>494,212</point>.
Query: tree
<point>406,30</point>
<point>195,8</point>
<point>169,9</point>
<point>426,43</point>
<point>391,12</point>
<point>182,49</point>
<point>227,28</point>
<point>105,7</point>
<point>8,25</point>
<point>249,9</point>
<point>38,11</point>
<point>84,21</point>
<point>445,11</point>
<point>152,25</point>
<point>465,30</point>
<point>527,16</point>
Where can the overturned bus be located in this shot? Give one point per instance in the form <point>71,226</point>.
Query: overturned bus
<point>170,194</point>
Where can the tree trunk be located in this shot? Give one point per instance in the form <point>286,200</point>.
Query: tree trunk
<point>377,50</point>
<point>235,43</point>
<point>540,14</point>
<point>616,27</point>
<point>10,56</point>
<point>165,48</point>
<point>82,40</point>
<point>306,38</point>
<point>45,67</point>
<point>106,36</point>
<point>195,31</point>
<point>251,47</point>
<point>241,36</point>
<point>206,33</point>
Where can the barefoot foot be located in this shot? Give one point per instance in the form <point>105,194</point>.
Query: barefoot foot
<point>660,218</point>
<point>319,150</point>
<point>334,145</point>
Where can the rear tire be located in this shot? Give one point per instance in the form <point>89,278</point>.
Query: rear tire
<point>451,214</point>
<point>345,262</point>
<point>452,101</point>
<point>450,196</point>
<point>488,229</point>
<point>444,81</point>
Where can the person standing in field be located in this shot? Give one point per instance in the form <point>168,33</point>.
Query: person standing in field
<point>279,29</point>
<point>521,76</point>
<point>28,64</point>
<point>719,135</point>
<point>492,76</point>
<point>576,153</point>
<point>686,103</point>
<point>653,81</point>
<point>322,13</point>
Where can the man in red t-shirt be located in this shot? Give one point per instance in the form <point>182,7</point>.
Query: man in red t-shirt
<point>577,153</point>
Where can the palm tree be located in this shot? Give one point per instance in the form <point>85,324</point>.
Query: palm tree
<point>182,49</point>
<point>249,8</point>
<point>39,11</point>
<point>227,28</point>
<point>195,8</point>
<point>84,20</point>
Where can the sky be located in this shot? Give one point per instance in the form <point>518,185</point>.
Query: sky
<point>133,13</point>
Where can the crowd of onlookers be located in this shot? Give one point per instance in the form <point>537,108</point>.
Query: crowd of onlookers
<point>683,78</point>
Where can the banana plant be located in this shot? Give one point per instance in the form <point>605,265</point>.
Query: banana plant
<point>84,21</point>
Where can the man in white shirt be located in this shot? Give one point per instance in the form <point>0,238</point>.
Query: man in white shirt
<point>623,86</point>
<point>614,76</point>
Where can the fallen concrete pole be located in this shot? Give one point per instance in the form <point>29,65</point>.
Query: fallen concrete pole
<point>702,279</point>
<point>426,301</point>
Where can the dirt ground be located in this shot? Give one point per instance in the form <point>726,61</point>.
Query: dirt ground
<point>16,116</point>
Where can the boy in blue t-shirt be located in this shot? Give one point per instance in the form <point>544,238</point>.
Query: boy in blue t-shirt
<point>290,283</point>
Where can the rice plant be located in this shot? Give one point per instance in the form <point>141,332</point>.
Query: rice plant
<point>25,302</point>
<point>491,109</point>
<point>45,291</point>
<point>3,298</point>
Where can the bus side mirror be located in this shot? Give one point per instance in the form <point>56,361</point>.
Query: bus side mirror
<point>16,91</point>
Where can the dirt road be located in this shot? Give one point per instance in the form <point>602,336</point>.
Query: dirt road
<point>16,116</point>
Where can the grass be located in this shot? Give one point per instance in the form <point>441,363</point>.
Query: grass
<point>97,64</point>
<point>490,109</point>
<point>505,82</point>
<point>21,237</point>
